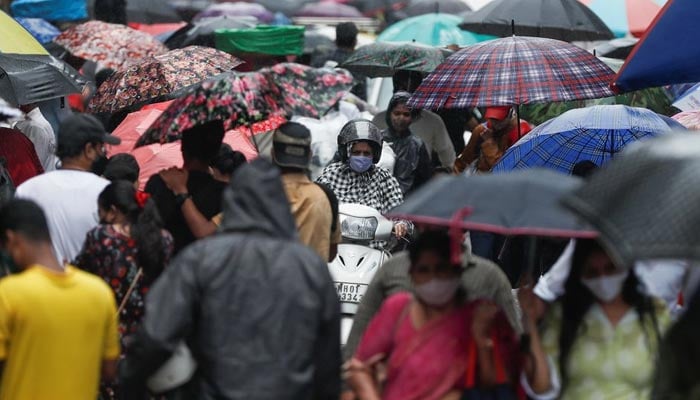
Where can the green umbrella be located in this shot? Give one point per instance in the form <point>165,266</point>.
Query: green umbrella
<point>383,59</point>
<point>436,29</point>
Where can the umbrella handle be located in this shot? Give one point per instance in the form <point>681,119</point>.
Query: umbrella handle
<point>455,231</point>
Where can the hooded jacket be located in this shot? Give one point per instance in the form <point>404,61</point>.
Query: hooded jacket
<point>412,167</point>
<point>258,309</point>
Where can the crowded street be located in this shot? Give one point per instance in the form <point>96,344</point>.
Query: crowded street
<point>349,199</point>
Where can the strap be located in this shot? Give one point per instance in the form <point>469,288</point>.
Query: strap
<point>138,276</point>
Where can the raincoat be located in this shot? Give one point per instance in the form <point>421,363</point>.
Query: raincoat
<point>258,309</point>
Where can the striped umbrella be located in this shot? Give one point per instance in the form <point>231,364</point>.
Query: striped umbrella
<point>626,16</point>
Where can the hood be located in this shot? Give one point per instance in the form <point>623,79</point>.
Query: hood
<point>399,97</point>
<point>255,201</point>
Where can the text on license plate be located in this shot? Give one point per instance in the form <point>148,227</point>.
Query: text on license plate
<point>350,292</point>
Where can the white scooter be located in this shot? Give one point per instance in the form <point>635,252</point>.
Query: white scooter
<point>356,263</point>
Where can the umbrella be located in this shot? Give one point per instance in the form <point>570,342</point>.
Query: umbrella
<point>376,7</point>
<point>383,59</point>
<point>626,16</point>
<point>16,39</point>
<point>50,10</point>
<point>486,203</point>
<point>158,30</point>
<point>616,48</point>
<point>112,45</point>
<point>435,29</point>
<point>26,79</point>
<point>566,20</point>
<point>8,112</point>
<point>157,157</point>
<point>41,29</point>
<point>420,7</point>
<point>317,42</point>
<point>512,71</point>
<point>656,63</point>
<point>644,202</point>
<point>187,9</point>
<point>328,9</point>
<point>689,119</point>
<point>134,125</point>
<point>201,33</point>
<point>240,9</point>
<point>166,75</point>
<point>287,7</point>
<point>595,134</point>
<point>151,12</point>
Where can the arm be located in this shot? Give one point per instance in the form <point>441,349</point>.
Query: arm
<point>537,367</point>
<point>469,153</point>
<point>176,180</point>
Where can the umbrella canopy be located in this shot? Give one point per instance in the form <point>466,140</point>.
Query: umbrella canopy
<point>595,134</point>
<point>328,9</point>
<point>375,7</point>
<point>644,202</point>
<point>383,59</point>
<point>151,12</point>
<point>485,203</point>
<point>240,9</point>
<point>112,45</point>
<point>654,62</point>
<point>41,29</point>
<point>287,7</point>
<point>134,125</point>
<point>626,16</point>
<point>689,119</point>
<point>420,7</point>
<point>436,29</point>
<point>566,20</point>
<point>616,48</point>
<point>512,71</point>
<point>201,33</point>
<point>27,79</point>
<point>50,10</point>
<point>166,75</point>
<point>16,39</point>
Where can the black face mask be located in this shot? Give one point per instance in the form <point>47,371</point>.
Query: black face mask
<point>99,164</point>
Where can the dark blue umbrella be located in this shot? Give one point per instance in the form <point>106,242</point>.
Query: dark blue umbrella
<point>41,29</point>
<point>595,133</point>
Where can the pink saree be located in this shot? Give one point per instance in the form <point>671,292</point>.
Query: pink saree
<point>425,363</point>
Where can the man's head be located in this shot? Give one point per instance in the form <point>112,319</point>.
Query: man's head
<point>291,146</point>
<point>360,136</point>
<point>201,143</point>
<point>499,117</point>
<point>81,140</point>
<point>406,81</point>
<point>346,35</point>
<point>23,229</point>
<point>435,279</point>
<point>122,166</point>
<point>25,108</point>
<point>398,115</point>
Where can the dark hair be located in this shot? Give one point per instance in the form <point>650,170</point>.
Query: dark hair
<point>346,35</point>
<point>102,76</point>
<point>577,300</point>
<point>227,160</point>
<point>145,223</point>
<point>435,240</point>
<point>122,166</point>
<point>399,98</point>
<point>24,217</point>
<point>202,142</point>
<point>584,168</point>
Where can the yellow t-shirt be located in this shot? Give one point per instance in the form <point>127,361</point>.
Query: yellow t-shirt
<point>55,331</point>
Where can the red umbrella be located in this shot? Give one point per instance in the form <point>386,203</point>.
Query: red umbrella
<point>135,124</point>
<point>157,29</point>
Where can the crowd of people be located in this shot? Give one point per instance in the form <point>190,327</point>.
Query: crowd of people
<point>213,281</point>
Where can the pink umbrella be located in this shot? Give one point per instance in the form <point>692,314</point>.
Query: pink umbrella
<point>135,124</point>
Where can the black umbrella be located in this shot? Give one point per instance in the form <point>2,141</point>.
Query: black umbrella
<point>567,20</point>
<point>616,48</point>
<point>151,12</point>
<point>26,79</point>
<point>420,7</point>
<point>201,33</point>
<point>645,202</point>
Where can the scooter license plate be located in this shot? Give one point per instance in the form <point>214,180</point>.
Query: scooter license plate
<point>350,292</point>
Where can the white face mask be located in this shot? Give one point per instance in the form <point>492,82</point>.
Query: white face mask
<point>606,288</point>
<point>437,292</point>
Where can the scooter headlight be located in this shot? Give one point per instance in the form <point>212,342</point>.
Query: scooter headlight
<point>359,228</point>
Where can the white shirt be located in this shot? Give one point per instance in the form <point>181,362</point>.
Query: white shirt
<point>69,200</point>
<point>39,131</point>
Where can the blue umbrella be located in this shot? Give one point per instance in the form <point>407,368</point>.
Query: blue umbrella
<point>595,133</point>
<point>41,29</point>
<point>436,29</point>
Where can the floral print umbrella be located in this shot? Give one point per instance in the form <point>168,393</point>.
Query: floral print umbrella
<point>244,99</point>
<point>158,78</point>
<point>112,45</point>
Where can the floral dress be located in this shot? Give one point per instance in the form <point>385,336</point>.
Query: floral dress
<point>112,256</point>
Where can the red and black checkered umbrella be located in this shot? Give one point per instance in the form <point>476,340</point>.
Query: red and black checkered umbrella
<point>513,71</point>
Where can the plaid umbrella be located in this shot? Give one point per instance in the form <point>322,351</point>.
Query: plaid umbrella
<point>111,45</point>
<point>511,71</point>
<point>595,134</point>
<point>644,202</point>
<point>160,77</point>
<point>383,59</point>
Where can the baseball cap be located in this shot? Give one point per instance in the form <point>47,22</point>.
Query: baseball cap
<point>498,113</point>
<point>291,146</point>
<point>79,129</point>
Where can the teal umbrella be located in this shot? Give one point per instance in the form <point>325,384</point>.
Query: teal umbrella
<point>435,29</point>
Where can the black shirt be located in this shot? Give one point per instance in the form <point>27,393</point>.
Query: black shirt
<point>206,194</point>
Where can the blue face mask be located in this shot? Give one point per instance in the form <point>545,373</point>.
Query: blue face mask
<point>360,164</point>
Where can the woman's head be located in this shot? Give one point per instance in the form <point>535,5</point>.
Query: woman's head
<point>398,115</point>
<point>226,162</point>
<point>435,279</point>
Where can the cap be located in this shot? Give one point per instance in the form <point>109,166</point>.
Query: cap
<point>291,146</point>
<point>498,113</point>
<point>79,129</point>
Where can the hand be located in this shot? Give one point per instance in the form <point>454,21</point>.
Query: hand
<point>400,229</point>
<point>175,179</point>
<point>481,323</point>
<point>532,306</point>
<point>348,395</point>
